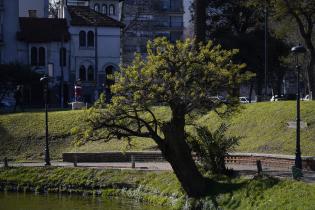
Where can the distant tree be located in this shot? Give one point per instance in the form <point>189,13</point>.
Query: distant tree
<point>15,74</point>
<point>236,24</point>
<point>302,13</point>
<point>200,20</point>
<point>181,77</point>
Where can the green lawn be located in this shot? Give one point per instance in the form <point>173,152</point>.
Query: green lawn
<point>262,126</point>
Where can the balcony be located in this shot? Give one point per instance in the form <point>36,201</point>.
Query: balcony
<point>163,10</point>
<point>78,3</point>
<point>161,25</point>
<point>164,7</point>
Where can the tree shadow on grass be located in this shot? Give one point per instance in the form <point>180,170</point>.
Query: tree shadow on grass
<point>229,187</point>
<point>4,142</point>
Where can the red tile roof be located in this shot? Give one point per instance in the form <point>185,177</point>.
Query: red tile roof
<point>40,30</point>
<point>85,16</point>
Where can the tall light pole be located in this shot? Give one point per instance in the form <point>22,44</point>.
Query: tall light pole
<point>44,80</point>
<point>297,50</point>
<point>266,48</point>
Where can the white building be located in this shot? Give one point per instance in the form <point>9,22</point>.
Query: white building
<point>81,44</point>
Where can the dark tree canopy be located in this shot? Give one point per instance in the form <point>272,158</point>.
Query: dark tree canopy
<point>301,13</point>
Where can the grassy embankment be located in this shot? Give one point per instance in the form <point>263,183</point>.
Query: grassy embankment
<point>160,188</point>
<point>263,127</point>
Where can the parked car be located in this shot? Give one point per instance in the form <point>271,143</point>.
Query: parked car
<point>244,100</point>
<point>7,104</point>
<point>5,107</point>
<point>277,98</point>
<point>306,98</point>
<point>219,98</point>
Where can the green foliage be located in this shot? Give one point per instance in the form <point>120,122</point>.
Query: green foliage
<point>212,147</point>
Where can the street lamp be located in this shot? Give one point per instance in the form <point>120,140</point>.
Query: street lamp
<point>44,80</point>
<point>297,50</point>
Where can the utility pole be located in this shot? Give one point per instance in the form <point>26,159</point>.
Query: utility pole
<point>62,63</point>
<point>266,48</point>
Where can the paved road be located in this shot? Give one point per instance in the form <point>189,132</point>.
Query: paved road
<point>243,170</point>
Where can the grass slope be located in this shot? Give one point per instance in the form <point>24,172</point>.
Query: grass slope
<point>263,127</point>
<point>161,188</point>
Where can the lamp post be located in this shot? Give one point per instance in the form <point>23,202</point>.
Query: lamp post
<point>44,80</point>
<point>297,50</point>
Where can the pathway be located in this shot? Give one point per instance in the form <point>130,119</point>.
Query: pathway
<point>243,170</point>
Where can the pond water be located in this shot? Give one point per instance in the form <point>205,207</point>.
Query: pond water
<point>28,201</point>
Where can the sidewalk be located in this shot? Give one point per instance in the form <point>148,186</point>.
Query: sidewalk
<point>243,170</point>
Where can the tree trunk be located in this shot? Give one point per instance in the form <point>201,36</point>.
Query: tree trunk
<point>311,73</point>
<point>177,152</point>
<point>200,20</point>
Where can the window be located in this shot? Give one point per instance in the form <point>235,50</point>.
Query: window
<point>50,69</point>
<point>111,9</point>
<point>90,73</point>
<point>82,37</point>
<point>34,56</point>
<point>90,37</point>
<point>104,9</point>
<point>109,71</point>
<point>97,7</point>
<point>32,13</point>
<point>82,73</point>
<point>63,56</point>
<point>41,56</point>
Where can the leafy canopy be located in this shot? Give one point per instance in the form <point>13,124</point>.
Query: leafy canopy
<point>180,76</point>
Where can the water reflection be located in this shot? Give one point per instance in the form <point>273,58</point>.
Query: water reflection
<point>26,201</point>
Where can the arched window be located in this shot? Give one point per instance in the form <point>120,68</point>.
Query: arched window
<point>104,9</point>
<point>97,7</point>
<point>63,56</point>
<point>111,9</point>
<point>41,56</point>
<point>82,73</point>
<point>109,70</point>
<point>34,56</point>
<point>82,37</point>
<point>90,73</point>
<point>90,37</point>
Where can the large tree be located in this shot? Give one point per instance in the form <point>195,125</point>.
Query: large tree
<point>181,77</point>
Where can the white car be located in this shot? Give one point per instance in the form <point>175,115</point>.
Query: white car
<point>306,98</point>
<point>244,100</point>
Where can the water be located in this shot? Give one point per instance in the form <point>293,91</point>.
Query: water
<point>27,201</point>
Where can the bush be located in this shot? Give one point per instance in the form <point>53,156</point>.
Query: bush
<point>212,147</point>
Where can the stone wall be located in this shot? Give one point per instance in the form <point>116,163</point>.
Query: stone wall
<point>267,160</point>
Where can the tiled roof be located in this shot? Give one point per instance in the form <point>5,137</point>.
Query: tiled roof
<point>85,16</point>
<point>40,30</point>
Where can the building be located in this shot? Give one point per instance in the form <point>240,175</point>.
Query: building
<point>81,44</point>
<point>144,20</point>
<point>148,19</point>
